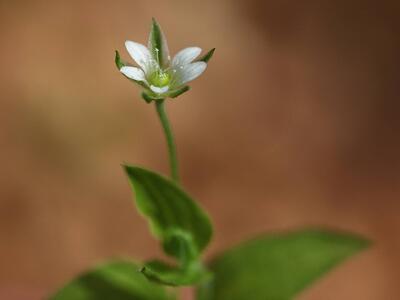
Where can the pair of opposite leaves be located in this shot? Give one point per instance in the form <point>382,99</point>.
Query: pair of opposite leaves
<point>271,267</point>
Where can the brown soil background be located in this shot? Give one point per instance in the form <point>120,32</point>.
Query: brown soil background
<point>294,124</point>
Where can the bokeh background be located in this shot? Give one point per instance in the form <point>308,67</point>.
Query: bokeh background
<point>294,124</point>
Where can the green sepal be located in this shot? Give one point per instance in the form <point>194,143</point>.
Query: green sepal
<point>206,57</point>
<point>179,91</point>
<point>120,63</point>
<point>168,208</point>
<point>278,266</point>
<point>158,44</point>
<point>118,279</point>
<point>148,96</point>
<point>163,273</point>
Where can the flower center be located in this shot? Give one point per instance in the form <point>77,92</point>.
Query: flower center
<point>160,78</point>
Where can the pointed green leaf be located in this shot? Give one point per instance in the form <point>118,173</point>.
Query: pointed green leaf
<point>158,45</point>
<point>163,273</point>
<point>206,57</point>
<point>167,207</point>
<point>179,244</point>
<point>115,280</point>
<point>277,266</point>
<point>179,91</point>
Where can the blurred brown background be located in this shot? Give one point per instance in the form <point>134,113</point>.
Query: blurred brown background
<point>295,123</point>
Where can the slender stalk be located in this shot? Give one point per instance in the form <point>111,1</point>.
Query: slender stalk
<point>173,159</point>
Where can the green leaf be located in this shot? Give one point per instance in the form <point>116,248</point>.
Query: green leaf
<point>158,45</point>
<point>167,207</point>
<point>277,266</point>
<point>180,244</point>
<point>206,57</point>
<point>163,273</point>
<point>189,271</point>
<point>114,280</point>
<point>179,91</point>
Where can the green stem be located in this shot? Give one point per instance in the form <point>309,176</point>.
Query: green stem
<point>173,159</point>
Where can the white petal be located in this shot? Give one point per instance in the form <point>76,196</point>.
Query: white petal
<point>134,73</point>
<point>140,54</point>
<point>159,90</point>
<point>186,56</point>
<point>189,72</point>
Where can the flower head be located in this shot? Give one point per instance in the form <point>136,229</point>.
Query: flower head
<point>160,76</point>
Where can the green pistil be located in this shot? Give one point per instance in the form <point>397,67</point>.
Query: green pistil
<point>160,78</point>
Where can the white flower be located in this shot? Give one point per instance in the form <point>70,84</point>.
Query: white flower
<point>160,76</point>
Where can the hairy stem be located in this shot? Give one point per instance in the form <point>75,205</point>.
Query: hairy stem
<point>173,159</point>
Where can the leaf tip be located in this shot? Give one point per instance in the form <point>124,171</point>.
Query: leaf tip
<point>361,242</point>
<point>127,168</point>
<point>347,244</point>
